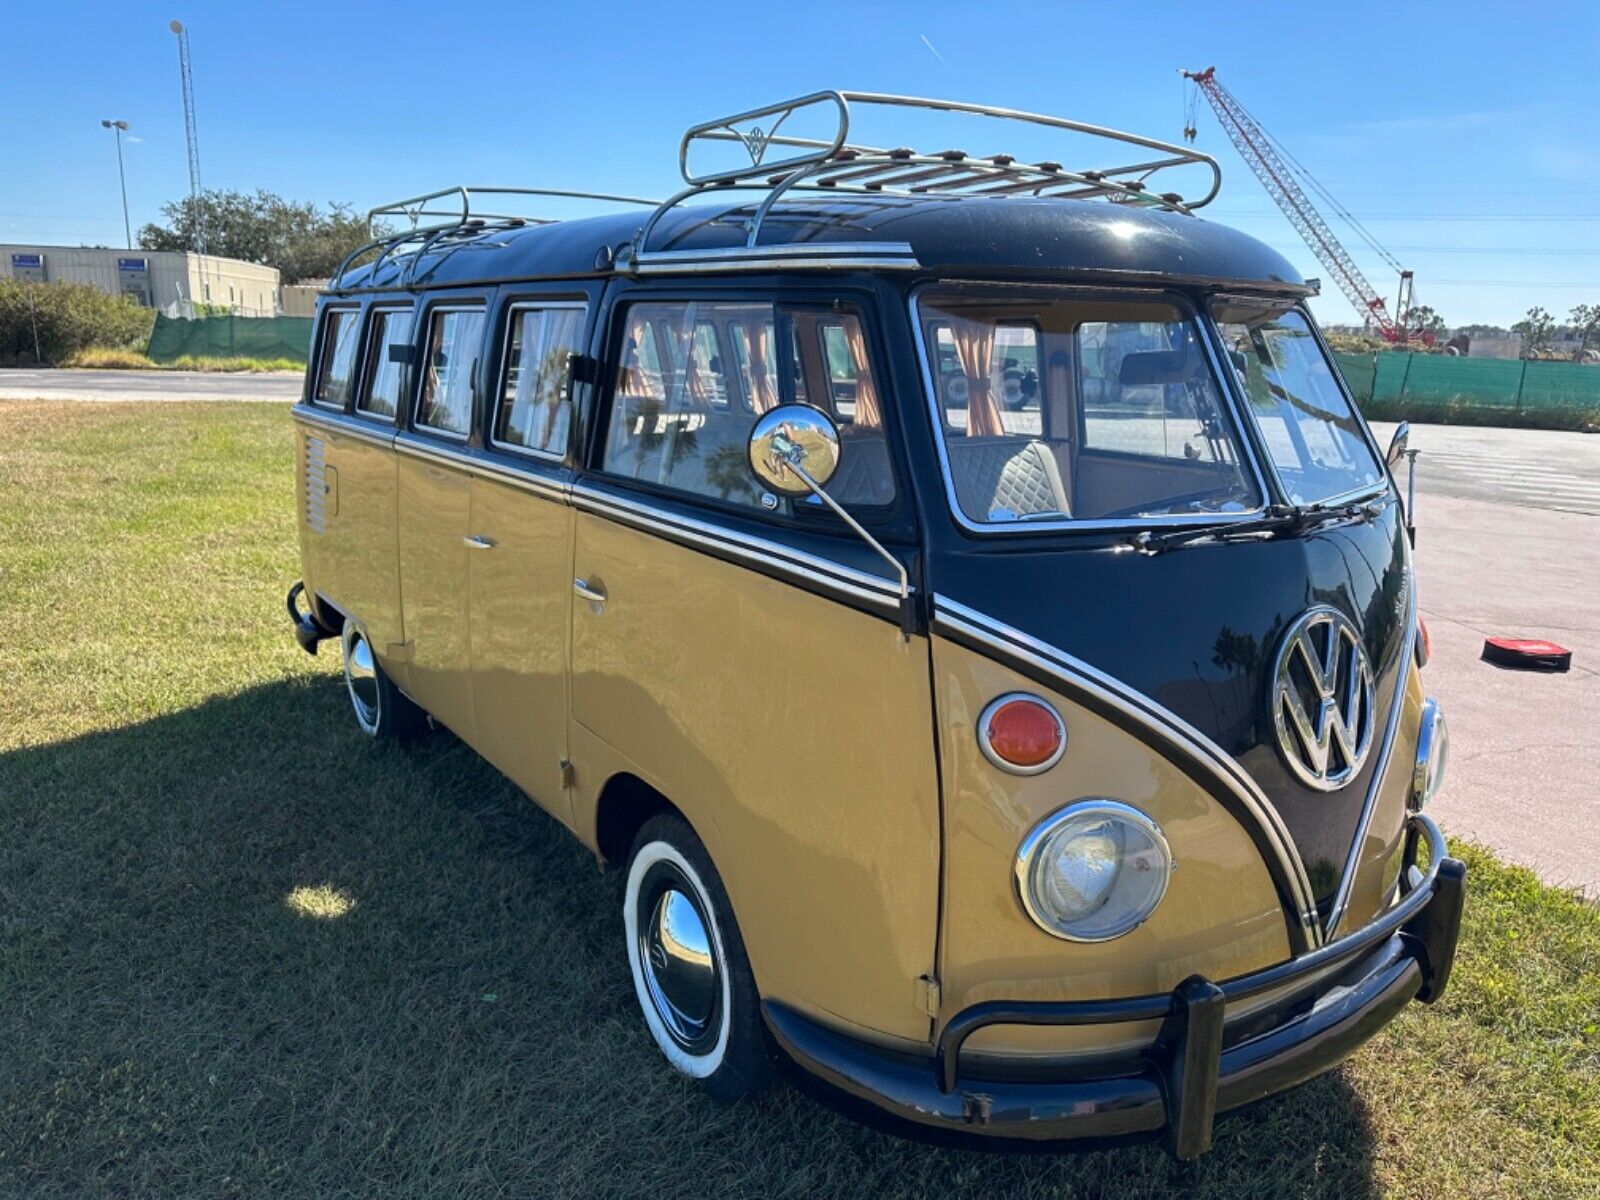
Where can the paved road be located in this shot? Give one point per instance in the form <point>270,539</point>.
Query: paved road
<point>1522,774</point>
<point>148,385</point>
<point>1533,467</point>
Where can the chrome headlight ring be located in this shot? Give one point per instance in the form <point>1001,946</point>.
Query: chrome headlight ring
<point>1433,752</point>
<point>1105,855</point>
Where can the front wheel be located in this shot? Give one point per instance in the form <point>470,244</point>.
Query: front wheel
<point>381,709</point>
<point>689,966</point>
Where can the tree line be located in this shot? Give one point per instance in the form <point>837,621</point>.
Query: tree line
<point>302,240</point>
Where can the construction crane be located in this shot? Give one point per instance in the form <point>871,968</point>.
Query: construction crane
<point>186,76</point>
<point>1277,169</point>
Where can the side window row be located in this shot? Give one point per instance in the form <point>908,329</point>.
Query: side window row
<point>534,412</point>
<point>692,379</point>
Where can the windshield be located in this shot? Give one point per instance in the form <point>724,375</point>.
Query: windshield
<point>1310,430</point>
<point>1080,409</point>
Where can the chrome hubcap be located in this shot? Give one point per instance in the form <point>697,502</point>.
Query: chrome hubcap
<point>678,958</point>
<point>361,677</point>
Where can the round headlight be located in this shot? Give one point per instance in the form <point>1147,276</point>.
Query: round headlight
<point>1433,750</point>
<point>1093,871</point>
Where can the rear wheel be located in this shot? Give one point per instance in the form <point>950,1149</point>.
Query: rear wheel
<point>380,709</point>
<point>689,966</point>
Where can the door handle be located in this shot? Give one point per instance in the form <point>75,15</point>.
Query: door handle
<point>477,542</point>
<point>594,593</point>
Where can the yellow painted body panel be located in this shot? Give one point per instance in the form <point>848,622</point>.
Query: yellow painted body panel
<point>794,733</point>
<point>520,594</point>
<point>1220,917</point>
<point>435,510</point>
<point>352,562</point>
<point>1378,866</point>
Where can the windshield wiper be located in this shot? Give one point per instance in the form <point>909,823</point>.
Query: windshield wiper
<point>1277,519</point>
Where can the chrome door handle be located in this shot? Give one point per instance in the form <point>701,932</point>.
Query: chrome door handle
<point>595,595</point>
<point>477,542</point>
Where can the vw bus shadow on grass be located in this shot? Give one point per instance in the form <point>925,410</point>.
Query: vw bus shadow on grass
<point>958,592</point>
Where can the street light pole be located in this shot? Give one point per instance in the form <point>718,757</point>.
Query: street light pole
<point>120,127</point>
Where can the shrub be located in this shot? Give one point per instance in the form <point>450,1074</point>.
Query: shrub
<point>66,317</point>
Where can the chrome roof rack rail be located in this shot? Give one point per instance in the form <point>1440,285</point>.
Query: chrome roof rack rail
<point>432,222</point>
<point>833,164</point>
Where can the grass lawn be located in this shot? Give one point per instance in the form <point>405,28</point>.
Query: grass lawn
<point>243,953</point>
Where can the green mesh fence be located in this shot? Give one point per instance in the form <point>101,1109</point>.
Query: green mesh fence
<point>1400,384</point>
<point>230,337</point>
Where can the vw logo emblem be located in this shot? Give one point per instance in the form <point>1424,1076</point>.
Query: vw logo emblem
<point>1322,699</point>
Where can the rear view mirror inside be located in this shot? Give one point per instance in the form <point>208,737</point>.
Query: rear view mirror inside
<point>400,352</point>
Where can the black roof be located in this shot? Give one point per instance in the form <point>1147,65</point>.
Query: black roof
<point>1000,236</point>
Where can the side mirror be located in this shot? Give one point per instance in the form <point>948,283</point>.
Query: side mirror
<point>794,449</point>
<point>1398,444</point>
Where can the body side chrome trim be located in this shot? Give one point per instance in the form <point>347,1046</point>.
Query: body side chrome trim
<point>1138,712</point>
<point>1380,772</point>
<point>1071,525</point>
<point>809,256</point>
<point>414,447</point>
<point>881,593</point>
<point>362,429</point>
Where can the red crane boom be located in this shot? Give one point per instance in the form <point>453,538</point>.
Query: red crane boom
<point>1256,148</point>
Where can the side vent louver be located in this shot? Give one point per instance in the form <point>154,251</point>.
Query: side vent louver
<point>316,484</point>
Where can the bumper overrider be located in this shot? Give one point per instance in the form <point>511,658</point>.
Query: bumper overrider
<point>308,629</point>
<point>1204,1062</point>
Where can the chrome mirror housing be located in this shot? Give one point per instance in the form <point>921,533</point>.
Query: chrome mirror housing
<point>794,449</point>
<point>1398,444</point>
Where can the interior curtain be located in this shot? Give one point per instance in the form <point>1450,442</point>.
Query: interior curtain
<point>633,382</point>
<point>975,348</point>
<point>868,414</point>
<point>758,344</point>
<point>683,341</point>
<point>559,332</point>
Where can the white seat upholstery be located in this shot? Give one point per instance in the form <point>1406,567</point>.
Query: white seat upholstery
<point>1000,477</point>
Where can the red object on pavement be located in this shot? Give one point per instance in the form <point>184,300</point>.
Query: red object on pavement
<point>1527,652</point>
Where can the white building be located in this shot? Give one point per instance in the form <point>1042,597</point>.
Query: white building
<point>171,280</point>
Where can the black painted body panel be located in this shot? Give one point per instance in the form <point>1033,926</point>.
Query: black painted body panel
<point>1010,237</point>
<point>1197,628</point>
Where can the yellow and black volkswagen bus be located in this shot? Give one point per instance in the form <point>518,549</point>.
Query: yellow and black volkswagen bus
<point>958,593</point>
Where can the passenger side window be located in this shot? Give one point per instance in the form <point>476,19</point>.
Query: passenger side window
<point>338,356</point>
<point>454,337</point>
<point>536,397</point>
<point>391,335</point>
<point>694,377</point>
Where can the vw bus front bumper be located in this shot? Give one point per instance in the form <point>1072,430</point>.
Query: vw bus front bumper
<point>1206,1061</point>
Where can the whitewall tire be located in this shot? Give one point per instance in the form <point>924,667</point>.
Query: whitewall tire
<point>690,972</point>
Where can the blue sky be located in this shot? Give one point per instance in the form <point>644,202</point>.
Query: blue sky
<point>1463,135</point>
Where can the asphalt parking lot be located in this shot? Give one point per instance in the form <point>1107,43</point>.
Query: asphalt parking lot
<point>1508,544</point>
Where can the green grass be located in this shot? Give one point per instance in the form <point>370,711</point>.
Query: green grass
<point>242,953</point>
<point>102,359</point>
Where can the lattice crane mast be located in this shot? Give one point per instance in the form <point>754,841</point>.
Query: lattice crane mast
<point>1256,146</point>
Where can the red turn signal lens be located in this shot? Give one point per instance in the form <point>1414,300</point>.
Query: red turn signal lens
<point>1424,643</point>
<point>1021,734</point>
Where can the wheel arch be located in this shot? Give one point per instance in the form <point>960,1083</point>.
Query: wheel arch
<point>626,802</point>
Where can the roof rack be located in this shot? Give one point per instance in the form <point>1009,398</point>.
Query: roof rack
<point>817,165</point>
<point>834,164</point>
<point>433,223</point>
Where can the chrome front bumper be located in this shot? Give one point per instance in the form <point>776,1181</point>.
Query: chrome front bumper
<point>1203,1063</point>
